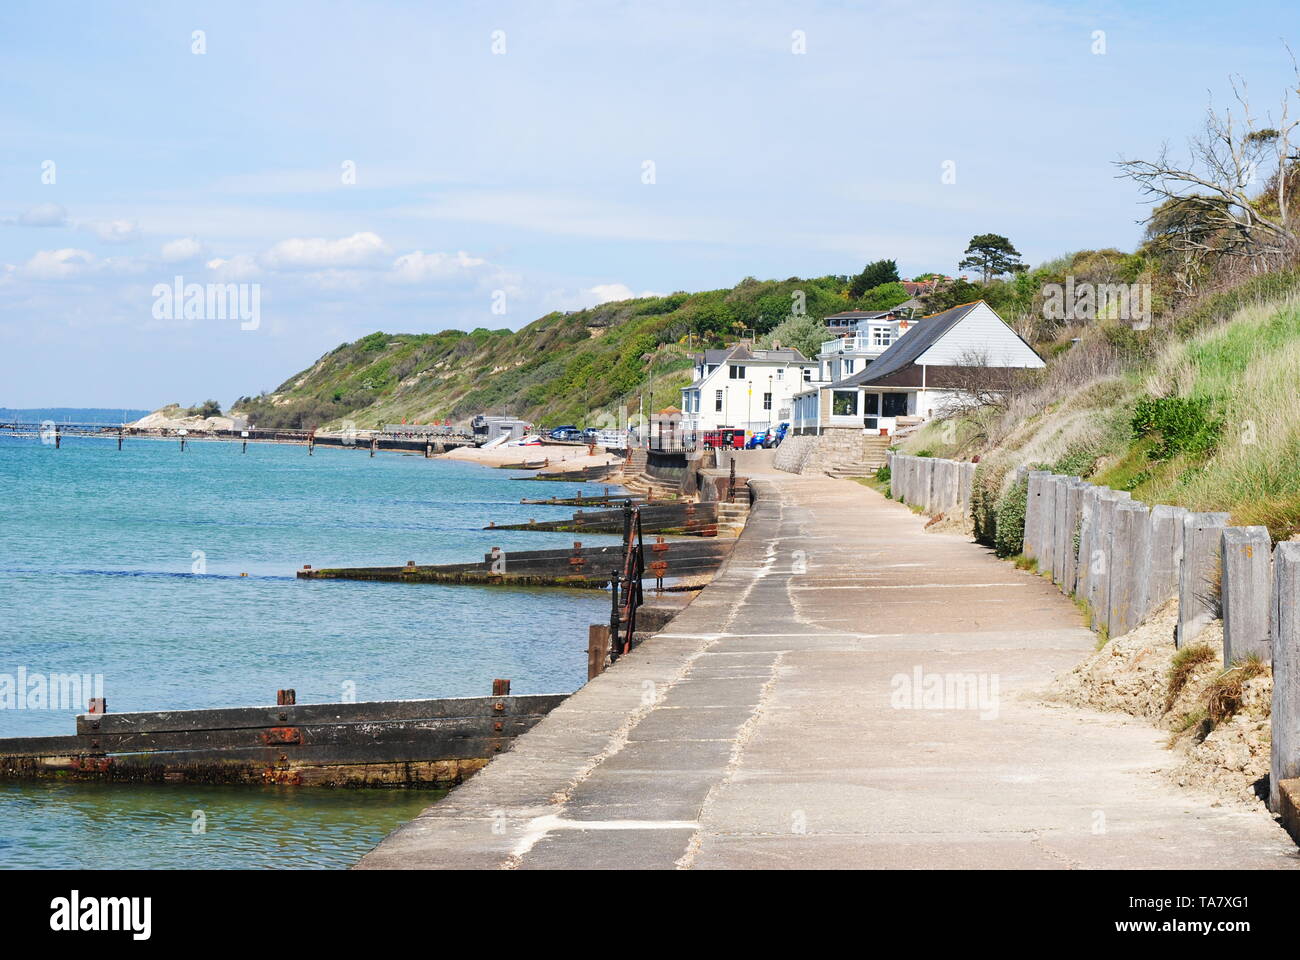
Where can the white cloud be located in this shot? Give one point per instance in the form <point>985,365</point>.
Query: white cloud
<point>419,267</point>
<point>184,248</point>
<point>235,268</point>
<point>569,299</point>
<point>610,292</point>
<point>112,231</point>
<point>317,252</point>
<point>57,264</point>
<point>44,215</point>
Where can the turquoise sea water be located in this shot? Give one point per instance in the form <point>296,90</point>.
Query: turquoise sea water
<point>128,565</point>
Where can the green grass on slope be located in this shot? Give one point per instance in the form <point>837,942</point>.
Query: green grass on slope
<point>1247,374</point>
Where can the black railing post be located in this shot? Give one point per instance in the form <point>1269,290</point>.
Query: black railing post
<point>613,616</point>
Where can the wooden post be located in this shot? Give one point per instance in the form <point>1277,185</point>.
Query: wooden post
<point>286,698</point>
<point>58,438</point>
<point>1245,593</point>
<point>1033,506</point>
<point>597,649</point>
<point>1285,720</point>
<point>500,688</point>
<point>119,439</point>
<point>245,450</point>
<point>374,445</point>
<point>1199,580</point>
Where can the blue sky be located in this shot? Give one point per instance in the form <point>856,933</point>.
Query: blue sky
<point>520,174</point>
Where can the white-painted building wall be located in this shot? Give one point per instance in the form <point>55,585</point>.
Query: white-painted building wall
<point>720,399</point>
<point>982,334</point>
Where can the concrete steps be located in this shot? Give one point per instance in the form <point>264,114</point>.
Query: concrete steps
<point>857,457</point>
<point>731,518</point>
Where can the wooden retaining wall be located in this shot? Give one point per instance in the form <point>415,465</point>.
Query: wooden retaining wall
<point>1127,559</point>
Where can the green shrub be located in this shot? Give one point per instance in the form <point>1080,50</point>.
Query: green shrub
<point>1009,534</point>
<point>984,502</point>
<point>1177,425</point>
<point>883,474</point>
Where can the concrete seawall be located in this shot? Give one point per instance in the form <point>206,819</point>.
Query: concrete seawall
<point>849,692</point>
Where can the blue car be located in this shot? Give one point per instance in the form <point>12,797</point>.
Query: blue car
<point>768,438</point>
<point>569,432</point>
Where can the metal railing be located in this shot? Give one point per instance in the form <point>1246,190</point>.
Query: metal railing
<point>625,585</point>
<point>859,343</point>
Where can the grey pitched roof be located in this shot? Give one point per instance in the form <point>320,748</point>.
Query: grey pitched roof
<point>911,345</point>
<point>859,315</point>
<point>741,351</point>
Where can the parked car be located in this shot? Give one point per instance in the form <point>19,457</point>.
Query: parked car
<point>724,439</point>
<point>591,435</point>
<point>567,432</point>
<point>757,441</point>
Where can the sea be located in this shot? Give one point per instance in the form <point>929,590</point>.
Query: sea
<point>168,576</point>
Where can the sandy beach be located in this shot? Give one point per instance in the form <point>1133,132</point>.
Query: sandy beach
<point>558,457</point>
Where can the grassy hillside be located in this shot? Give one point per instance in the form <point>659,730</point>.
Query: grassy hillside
<point>1200,411</point>
<point>564,367</point>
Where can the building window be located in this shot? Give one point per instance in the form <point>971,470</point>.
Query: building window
<point>848,367</point>
<point>844,403</point>
<point>780,373</point>
<point>880,337</point>
<point>807,374</point>
<point>767,401</point>
<point>737,372</point>
<point>893,405</point>
<point>871,405</point>
<point>717,401</point>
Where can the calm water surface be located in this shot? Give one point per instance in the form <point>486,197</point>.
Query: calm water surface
<point>128,565</point>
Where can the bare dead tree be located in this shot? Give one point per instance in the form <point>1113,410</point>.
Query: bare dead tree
<point>1207,201</point>
<point>978,386</point>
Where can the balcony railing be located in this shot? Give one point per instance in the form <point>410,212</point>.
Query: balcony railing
<point>854,344</point>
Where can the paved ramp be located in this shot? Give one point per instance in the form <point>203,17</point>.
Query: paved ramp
<point>849,692</point>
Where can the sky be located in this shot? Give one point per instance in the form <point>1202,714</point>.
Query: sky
<point>416,167</point>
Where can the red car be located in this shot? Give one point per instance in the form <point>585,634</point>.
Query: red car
<point>724,439</point>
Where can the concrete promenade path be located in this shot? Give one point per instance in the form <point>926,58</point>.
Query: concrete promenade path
<point>769,726</point>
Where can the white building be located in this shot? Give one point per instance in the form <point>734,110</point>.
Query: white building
<point>742,387</point>
<point>860,337</point>
<point>927,371</point>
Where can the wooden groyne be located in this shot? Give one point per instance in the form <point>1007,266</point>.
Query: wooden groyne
<point>581,475</point>
<point>581,500</point>
<point>681,519</point>
<point>580,566</point>
<point>409,743</point>
<point>428,445</point>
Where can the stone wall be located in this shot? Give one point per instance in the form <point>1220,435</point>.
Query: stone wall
<point>834,447</point>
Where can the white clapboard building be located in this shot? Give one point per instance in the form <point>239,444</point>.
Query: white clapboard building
<point>926,373</point>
